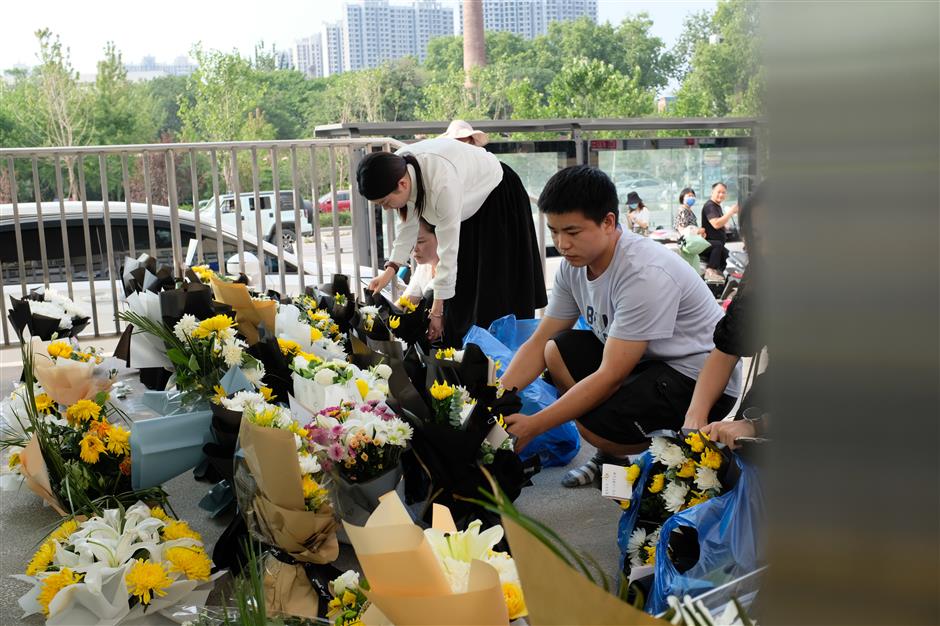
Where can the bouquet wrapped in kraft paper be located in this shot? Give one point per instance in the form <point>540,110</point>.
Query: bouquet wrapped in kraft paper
<point>69,375</point>
<point>249,312</point>
<point>408,583</point>
<point>271,496</point>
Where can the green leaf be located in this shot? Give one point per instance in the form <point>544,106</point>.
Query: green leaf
<point>193,363</point>
<point>176,355</point>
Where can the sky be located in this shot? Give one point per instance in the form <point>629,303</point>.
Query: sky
<point>167,29</point>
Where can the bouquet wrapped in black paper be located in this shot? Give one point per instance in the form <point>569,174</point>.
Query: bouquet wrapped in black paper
<point>47,314</point>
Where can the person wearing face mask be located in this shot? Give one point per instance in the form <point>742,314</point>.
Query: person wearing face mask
<point>489,263</point>
<point>638,216</point>
<point>651,322</point>
<point>686,216</point>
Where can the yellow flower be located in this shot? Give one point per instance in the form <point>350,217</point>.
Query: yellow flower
<point>312,359</point>
<point>441,392</point>
<point>191,561</point>
<point>318,315</point>
<point>659,481</point>
<point>711,458</point>
<point>14,460</point>
<point>695,442</point>
<point>82,411</point>
<point>91,448</point>
<point>219,394</point>
<point>515,602</point>
<point>315,334</point>
<point>119,440</point>
<point>44,404</point>
<point>363,388</point>
<point>394,321</point>
<point>179,530</point>
<point>349,598</point>
<point>334,329</point>
<point>650,555</point>
<point>446,353</point>
<point>41,559</point>
<point>213,325</point>
<point>369,323</point>
<point>697,498</point>
<point>633,472</point>
<point>146,580</point>
<point>159,513</point>
<point>687,470</point>
<point>265,417</point>
<point>63,532</point>
<point>53,584</point>
<point>267,393</point>
<point>405,304</point>
<point>60,350</point>
<point>624,504</point>
<point>203,272</point>
<point>288,347</point>
<point>310,487</point>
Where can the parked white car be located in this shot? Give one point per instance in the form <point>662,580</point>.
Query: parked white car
<point>289,228</point>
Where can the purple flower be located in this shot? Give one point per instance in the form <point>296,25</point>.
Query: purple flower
<point>318,435</point>
<point>336,431</point>
<point>336,452</point>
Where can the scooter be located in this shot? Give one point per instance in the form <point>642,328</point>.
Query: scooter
<point>734,272</point>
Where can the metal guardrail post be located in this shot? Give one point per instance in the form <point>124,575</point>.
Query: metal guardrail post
<point>40,227</point>
<point>259,235</point>
<point>17,228</point>
<point>194,183</point>
<point>317,234</point>
<point>63,225</point>
<point>125,179</point>
<point>89,256</point>
<point>359,213</point>
<point>108,239</point>
<point>298,222</point>
<point>278,226</point>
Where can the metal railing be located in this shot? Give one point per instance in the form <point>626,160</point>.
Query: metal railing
<point>121,208</point>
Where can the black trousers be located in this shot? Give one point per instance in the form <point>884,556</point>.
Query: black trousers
<point>716,257</point>
<point>653,397</point>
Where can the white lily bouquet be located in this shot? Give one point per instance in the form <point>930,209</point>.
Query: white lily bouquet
<point>116,567</point>
<point>318,335</point>
<point>321,384</point>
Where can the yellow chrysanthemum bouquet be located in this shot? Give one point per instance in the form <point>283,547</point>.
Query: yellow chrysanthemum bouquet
<point>117,566</point>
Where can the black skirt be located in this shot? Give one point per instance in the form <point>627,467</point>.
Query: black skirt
<point>499,271</point>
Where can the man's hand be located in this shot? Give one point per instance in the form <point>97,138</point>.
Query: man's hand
<point>524,428</point>
<point>435,327</point>
<point>734,210</point>
<point>727,432</point>
<point>695,423</point>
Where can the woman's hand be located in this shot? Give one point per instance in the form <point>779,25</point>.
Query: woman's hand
<point>378,283</point>
<point>727,432</point>
<point>436,325</point>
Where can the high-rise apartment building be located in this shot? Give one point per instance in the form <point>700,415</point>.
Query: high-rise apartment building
<point>307,56</point>
<point>376,31</point>
<point>333,48</point>
<point>530,18</point>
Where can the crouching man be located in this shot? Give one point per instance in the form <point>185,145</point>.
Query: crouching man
<point>651,317</point>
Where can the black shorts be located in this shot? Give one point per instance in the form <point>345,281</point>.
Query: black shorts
<point>654,396</point>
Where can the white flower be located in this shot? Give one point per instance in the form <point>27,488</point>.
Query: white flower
<point>52,310</point>
<point>300,362</point>
<point>185,327</point>
<point>374,394</point>
<point>706,478</point>
<point>369,310</point>
<point>674,496</point>
<point>347,580</point>
<point>242,399</point>
<point>383,371</point>
<point>634,544</point>
<point>308,464</point>
<point>232,354</point>
<point>254,374</point>
<point>324,377</point>
<point>669,454</point>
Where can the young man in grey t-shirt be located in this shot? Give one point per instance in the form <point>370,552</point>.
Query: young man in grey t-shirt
<point>651,317</point>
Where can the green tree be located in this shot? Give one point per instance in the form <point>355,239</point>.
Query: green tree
<point>166,93</point>
<point>593,88</point>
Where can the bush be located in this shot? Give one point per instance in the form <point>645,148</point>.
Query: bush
<point>326,219</point>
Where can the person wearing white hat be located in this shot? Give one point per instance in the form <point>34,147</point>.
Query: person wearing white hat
<point>462,131</point>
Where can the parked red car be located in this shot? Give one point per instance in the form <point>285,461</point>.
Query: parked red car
<point>326,201</point>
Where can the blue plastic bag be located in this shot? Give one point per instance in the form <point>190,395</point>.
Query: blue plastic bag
<point>628,518</point>
<point>557,446</point>
<point>728,530</point>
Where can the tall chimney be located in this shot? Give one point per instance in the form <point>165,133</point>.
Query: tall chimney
<point>474,46</point>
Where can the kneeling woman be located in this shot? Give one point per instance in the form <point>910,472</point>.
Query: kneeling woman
<point>489,259</point>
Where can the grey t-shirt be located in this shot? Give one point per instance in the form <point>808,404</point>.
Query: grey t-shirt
<point>647,293</point>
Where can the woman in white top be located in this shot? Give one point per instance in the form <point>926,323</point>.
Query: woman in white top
<point>483,222</point>
<point>426,259</point>
<point>638,216</point>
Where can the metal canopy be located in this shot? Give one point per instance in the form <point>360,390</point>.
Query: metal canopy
<point>357,129</point>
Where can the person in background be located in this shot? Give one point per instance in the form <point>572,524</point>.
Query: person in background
<point>714,220</point>
<point>425,256</point>
<point>651,320</point>
<point>737,336</point>
<point>638,216</point>
<point>686,216</point>
<point>489,263</point>
<point>462,131</point>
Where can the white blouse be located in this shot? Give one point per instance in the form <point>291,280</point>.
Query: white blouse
<point>457,178</point>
